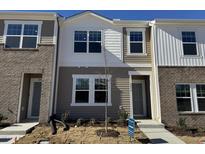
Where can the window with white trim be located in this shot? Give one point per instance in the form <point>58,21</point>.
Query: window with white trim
<point>22,35</point>
<point>183,95</point>
<point>136,41</point>
<point>87,42</point>
<point>200,89</point>
<point>190,97</point>
<point>91,90</point>
<point>189,43</point>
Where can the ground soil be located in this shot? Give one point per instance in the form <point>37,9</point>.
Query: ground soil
<point>188,136</point>
<point>80,135</point>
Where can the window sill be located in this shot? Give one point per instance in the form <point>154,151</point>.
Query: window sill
<point>192,113</point>
<point>90,104</point>
<point>137,54</point>
<point>20,49</point>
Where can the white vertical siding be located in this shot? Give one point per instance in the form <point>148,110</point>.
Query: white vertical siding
<point>169,46</point>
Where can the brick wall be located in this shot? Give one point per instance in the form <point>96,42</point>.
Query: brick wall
<point>13,63</point>
<point>168,77</point>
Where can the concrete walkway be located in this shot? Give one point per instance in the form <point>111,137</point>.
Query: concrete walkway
<point>156,132</point>
<point>14,132</point>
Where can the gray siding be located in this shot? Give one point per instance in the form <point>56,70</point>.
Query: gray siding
<point>119,92</point>
<point>137,59</point>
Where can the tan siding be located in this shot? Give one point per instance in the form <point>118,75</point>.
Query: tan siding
<point>47,32</point>
<point>1,31</point>
<point>137,59</point>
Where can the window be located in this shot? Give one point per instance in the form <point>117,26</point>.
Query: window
<point>201,97</point>
<point>189,43</point>
<point>190,97</point>
<point>101,90</point>
<point>87,41</point>
<point>82,91</point>
<point>93,90</point>
<point>80,44</point>
<point>95,42</point>
<point>21,35</point>
<point>136,41</point>
<point>183,97</point>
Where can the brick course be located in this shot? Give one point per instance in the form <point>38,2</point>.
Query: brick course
<point>168,77</point>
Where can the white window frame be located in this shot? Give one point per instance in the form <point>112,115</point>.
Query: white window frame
<point>87,42</point>
<point>39,23</point>
<point>193,96</point>
<point>143,30</point>
<point>196,43</point>
<point>91,78</point>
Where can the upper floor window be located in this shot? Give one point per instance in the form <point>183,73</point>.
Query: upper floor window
<point>189,43</point>
<point>87,42</point>
<point>136,42</point>
<point>21,35</point>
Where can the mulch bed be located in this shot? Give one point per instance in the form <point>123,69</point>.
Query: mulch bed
<point>109,133</point>
<point>187,132</point>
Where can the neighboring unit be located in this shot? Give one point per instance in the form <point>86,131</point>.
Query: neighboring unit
<point>180,59</point>
<point>27,63</point>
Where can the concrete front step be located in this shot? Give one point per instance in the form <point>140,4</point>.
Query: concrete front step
<point>18,128</point>
<point>156,132</point>
<point>149,124</point>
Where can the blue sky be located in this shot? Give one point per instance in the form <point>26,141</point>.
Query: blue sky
<point>140,14</point>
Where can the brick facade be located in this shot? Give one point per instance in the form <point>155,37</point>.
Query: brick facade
<point>13,64</point>
<point>168,77</point>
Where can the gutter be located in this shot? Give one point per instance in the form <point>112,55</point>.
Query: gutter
<point>55,69</point>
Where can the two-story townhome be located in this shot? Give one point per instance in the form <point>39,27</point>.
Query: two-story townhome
<point>105,61</point>
<point>179,47</point>
<point>27,64</point>
<point>81,64</point>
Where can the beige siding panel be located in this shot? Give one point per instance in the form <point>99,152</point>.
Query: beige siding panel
<point>137,59</point>
<point>1,30</point>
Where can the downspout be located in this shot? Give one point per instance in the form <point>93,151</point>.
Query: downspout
<point>54,81</point>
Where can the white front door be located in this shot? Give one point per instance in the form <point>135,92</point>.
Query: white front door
<point>139,98</point>
<point>34,98</point>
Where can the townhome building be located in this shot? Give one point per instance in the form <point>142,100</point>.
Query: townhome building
<point>27,65</point>
<point>179,47</point>
<point>105,62</point>
<point>87,65</point>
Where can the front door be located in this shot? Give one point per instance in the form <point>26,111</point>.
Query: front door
<point>139,98</point>
<point>34,98</point>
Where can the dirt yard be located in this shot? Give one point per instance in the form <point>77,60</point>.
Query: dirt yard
<point>80,135</point>
<point>189,137</point>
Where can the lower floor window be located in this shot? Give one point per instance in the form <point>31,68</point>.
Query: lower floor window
<point>91,90</point>
<point>190,97</point>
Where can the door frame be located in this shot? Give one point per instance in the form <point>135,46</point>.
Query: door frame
<point>32,81</point>
<point>142,73</point>
<point>144,98</point>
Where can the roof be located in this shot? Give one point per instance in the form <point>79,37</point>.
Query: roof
<point>112,21</point>
<point>178,21</point>
<point>29,15</point>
